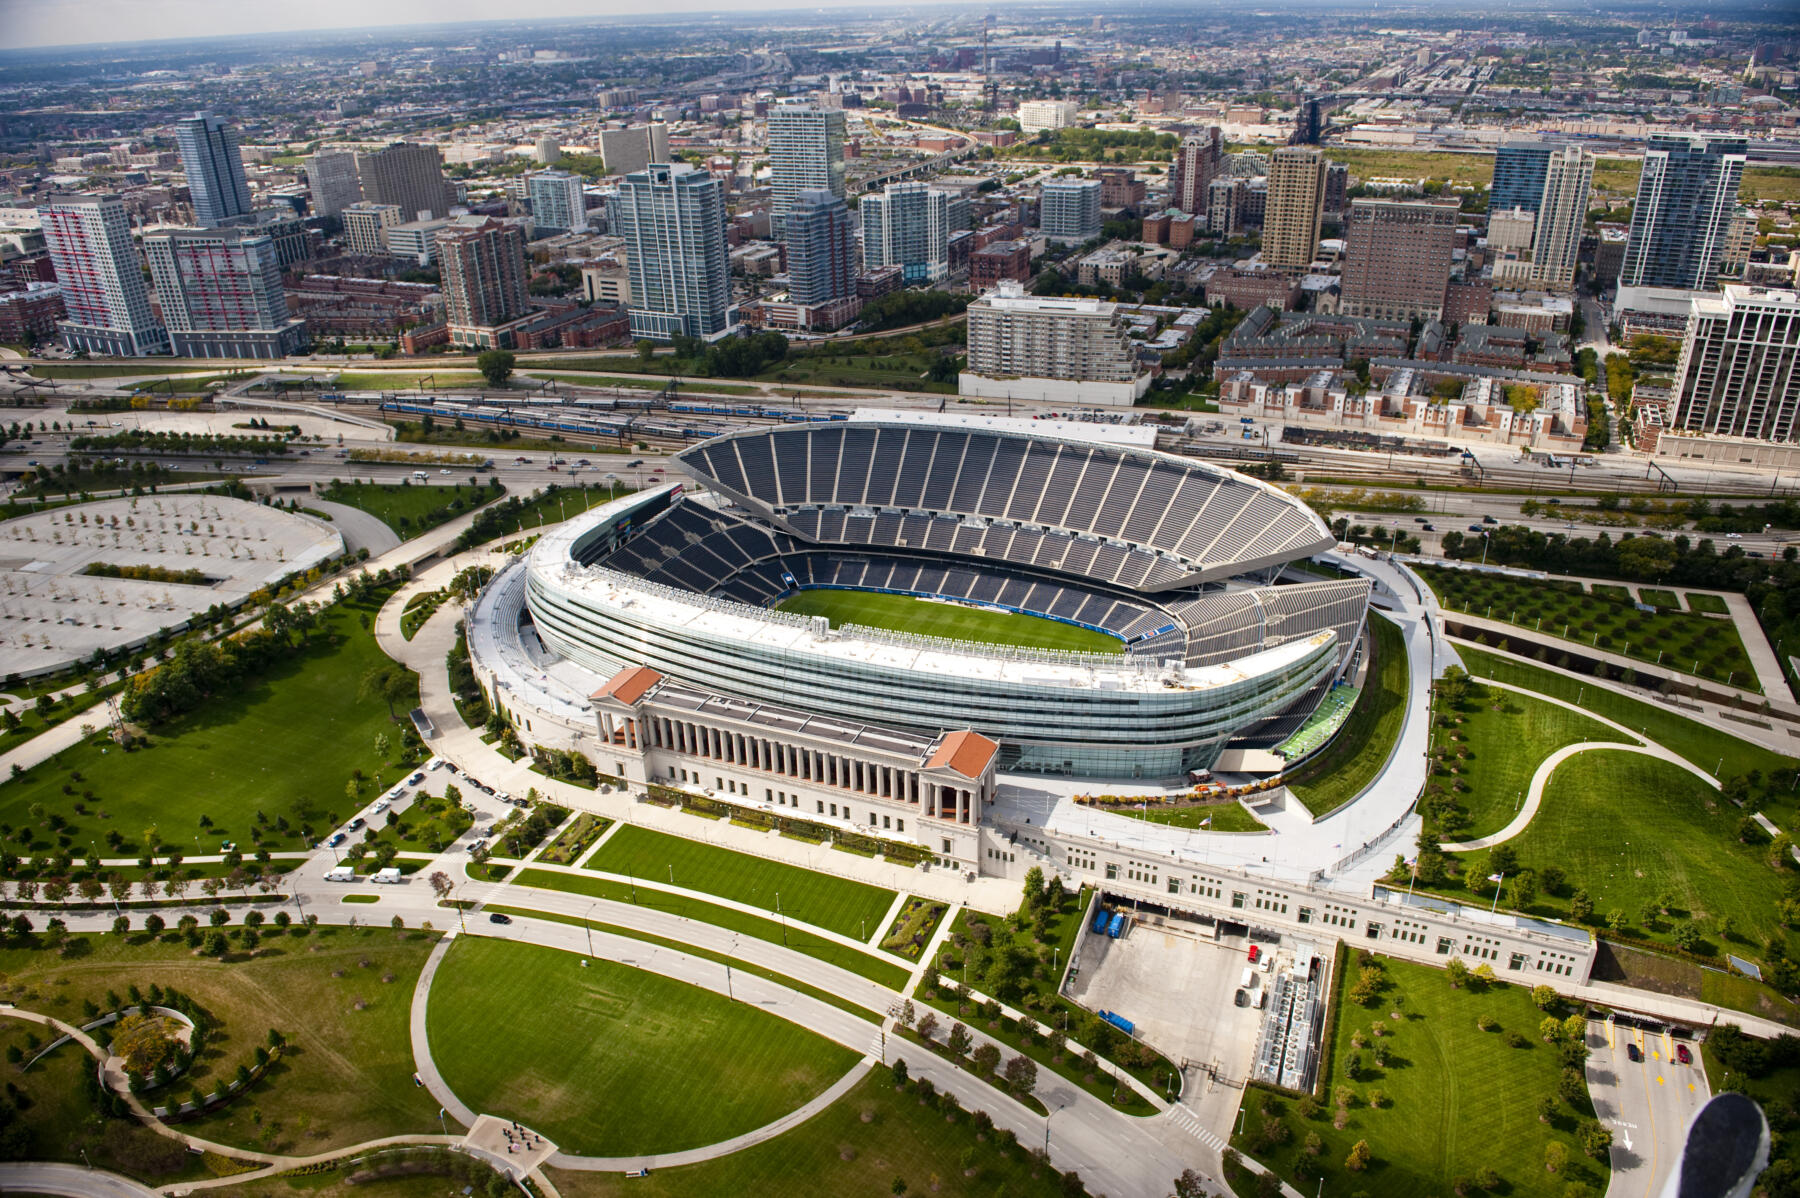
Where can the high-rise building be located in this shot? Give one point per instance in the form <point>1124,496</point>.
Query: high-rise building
<point>627,151</point>
<point>1295,208</point>
<point>1397,257</point>
<point>806,153</point>
<point>1225,207</point>
<point>1686,196</point>
<point>214,167</point>
<point>1556,242</point>
<point>366,227</point>
<point>672,217</point>
<point>1337,187</point>
<point>1034,347</point>
<point>1198,161</point>
<point>558,201</point>
<point>89,238</point>
<point>482,260</point>
<point>410,177</point>
<point>1035,116</point>
<point>821,248</point>
<point>1309,122</point>
<point>1069,210</point>
<point>1519,171</point>
<point>220,293</point>
<point>331,175</point>
<point>907,225</point>
<point>1739,370</point>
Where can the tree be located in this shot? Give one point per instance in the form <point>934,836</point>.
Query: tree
<point>1544,997</point>
<point>1359,1157</point>
<point>496,365</point>
<point>389,683</point>
<point>441,885</point>
<point>1581,905</point>
<point>987,1058</point>
<point>1556,1155</point>
<point>646,349</point>
<point>1021,1074</point>
<point>1595,1138</point>
<point>1456,972</point>
<point>959,1039</point>
<point>1191,1185</point>
<point>145,1042</point>
<point>899,1071</point>
<point>928,1026</point>
<point>214,945</point>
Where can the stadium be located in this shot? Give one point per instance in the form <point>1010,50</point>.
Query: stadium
<point>1110,611</point>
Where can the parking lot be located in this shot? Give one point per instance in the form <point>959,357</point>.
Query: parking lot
<point>1177,987</point>
<point>1647,1103</point>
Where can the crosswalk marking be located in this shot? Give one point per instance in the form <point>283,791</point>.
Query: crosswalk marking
<point>1185,1120</point>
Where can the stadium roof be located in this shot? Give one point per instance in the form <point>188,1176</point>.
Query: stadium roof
<point>629,685</point>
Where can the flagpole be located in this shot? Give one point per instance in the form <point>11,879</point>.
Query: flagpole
<point>1497,884</point>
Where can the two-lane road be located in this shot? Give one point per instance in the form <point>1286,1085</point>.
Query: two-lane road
<point>1646,1103</point>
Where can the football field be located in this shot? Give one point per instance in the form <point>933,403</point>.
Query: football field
<point>903,613</point>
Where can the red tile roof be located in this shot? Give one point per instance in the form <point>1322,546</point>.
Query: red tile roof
<point>628,685</point>
<point>968,753</point>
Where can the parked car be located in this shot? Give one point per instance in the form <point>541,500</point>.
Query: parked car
<point>356,824</point>
<point>416,778</point>
<point>496,917</point>
<point>1683,1055</point>
<point>1255,951</point>
<point>1633,1051</point>
<point>337,838</point>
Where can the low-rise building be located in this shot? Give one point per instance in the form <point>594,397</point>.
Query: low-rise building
<point>998,261</point>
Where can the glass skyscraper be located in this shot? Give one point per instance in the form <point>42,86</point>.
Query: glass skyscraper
<point>1520,169</point>
<point>1685,200</point>
<point>672,218</point>
<point>806,153</point>
<point>907,225</point>
<point>821,246</point>
<point>215,169</point>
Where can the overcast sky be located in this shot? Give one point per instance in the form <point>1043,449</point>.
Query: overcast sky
<point>72,22</point>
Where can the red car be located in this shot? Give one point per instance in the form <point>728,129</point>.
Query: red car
<point>1683,1055</point>
<point>1255,951</point>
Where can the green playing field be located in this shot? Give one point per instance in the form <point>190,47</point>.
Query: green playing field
<point>903,613</point>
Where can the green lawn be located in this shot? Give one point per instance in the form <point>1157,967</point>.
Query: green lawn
<point>800,939</point>
<point>1631,828</point>
<point>284,746</point>
<point>407,509</point>
<point>607,1060</point>
<point>1710,605</point>
<point>902,372</point>
<point>903,613</point>
<point>857,1147</point>
<point>737,963</point>
<point>1457,1099</point>
<point>1676,640</point>
<point>1705,746</point>
<point>77,370</point>
<point>1339,772</point>
<point>1660,599</point>
<point>1225,817</point>
<point>406,380</point>
<point>838,904</point>
<point>348,1075</point>
<point>1487,756</point>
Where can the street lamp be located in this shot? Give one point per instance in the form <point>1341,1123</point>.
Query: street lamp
<point>1047,1118</point>
<point>588,927</point>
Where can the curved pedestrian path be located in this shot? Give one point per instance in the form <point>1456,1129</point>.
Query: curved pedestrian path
<point>1634,743</point>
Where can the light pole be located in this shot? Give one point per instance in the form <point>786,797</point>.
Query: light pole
<point>588,927</point>
<point>1047,1118</point>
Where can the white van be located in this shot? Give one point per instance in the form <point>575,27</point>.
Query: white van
<point>1248,981</point>
<point>387,877</point>
<point>341,873</point>
<point>420,476</point>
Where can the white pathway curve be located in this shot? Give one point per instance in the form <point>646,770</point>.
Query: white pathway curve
<point>1541,778</point>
